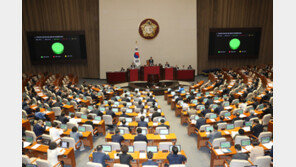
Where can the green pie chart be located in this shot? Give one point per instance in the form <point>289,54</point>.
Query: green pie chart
<point>57,48</point>
<point>234,43</point>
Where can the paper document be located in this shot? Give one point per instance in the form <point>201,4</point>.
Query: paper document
<point>78,120</point>
<point>242,116</point>
<point>26,144</point>
<point>244,150</point>
<point>248,147</point>
<point>142,155</point>
<point>226,150</point>
<point>268,145</point>
<point>219,152</point>
<point>216,101</point>
<point>35,146</point>
<point>155,123</point>
<point>228,108</point>
<point>162,136</point>
<point>247,129</point>
<point>96,122</point>
<point>193,121</point>
<point>226,132</point>
<point>213,120</point>
<point>233,134</point>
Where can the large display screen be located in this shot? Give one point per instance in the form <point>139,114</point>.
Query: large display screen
<point>57,47</point>
<point>234,42</point>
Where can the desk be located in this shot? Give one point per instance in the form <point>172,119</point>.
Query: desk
<point>116,77</point>
<point>68,157</point>
<point>185,75</point>
<point>99,126</point>
<point>153,140</point>
<point>169,73</point>
<point>133,75</point>
<point>26,124</point>
<point>149,70</point>
<point>151,126</point>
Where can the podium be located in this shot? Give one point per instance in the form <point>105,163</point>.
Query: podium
<point>169,73</point>
<point>133,75</point>
<point>149,70</point>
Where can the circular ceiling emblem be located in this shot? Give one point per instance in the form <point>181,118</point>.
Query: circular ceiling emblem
<point>148,28</point>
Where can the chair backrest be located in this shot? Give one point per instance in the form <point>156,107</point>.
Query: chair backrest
<point>115,146</point>
<point>157,130</point>
<point>58,122</point>
<point>236,110</point>
<point>164,146</point>
<point>26,160</point>
<point>262,161</point>
<point>108,119</point>
<point>222,125</point>
<point>24,114</point>
<point>70,140</point>
<point>150,103</point>
<point>78,114</point>
<point>93,164</point>
<point>143,128</point>
<point>238,139</point>
<point>252,119</point>
<point>74,104</point>
<point>57,111</point>
<point>70,125</point>
<point>140,145</point>
<point>120,165</point>
<point>208,115</point>
<point>126,130</point>
<point>92,115</point>
<point>43,163</point>
<point>235,101</point>
<point>217,141</point>
<point>65,101</point>
<point>88,128</point>
<point>89,98</point>
<point>239,163</point>
<point>149,166</point>
<point>266,119</point>
<point>264,134</point>
<point>46,137</point>
<point>238,123</point>
<point>31,134</point>
<point>203,127</point>
<point>222,113</point>
<point>137,110</point>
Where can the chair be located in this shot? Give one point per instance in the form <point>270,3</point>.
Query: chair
<point>120,165</point>
<point>235,101</point>
<point>199,107</point>
<point>217,141</point>
<point>115,146</point>
<point>157,130</point>
<point>65,101</point>
<point>265,120</point>
<point>264,134</point>
<point>164,146</point>
<point>203,127</point>
<point>126,130</point>
<point>238,139</point>
<point>44,163</point>
<point>26,160</point>
<point>143,128</point>
<point>24,114</point>
<point>89,128</point>
<point>121,118</point>
<point>70,125</point>
<point>46,137</point>
<point>140,145</point>
<point>93,164</point>
<point>74,104</point>
<point>222,113</point>
<point>262,161</point>
<point>31,134</point>
<point>92,115</point>
<point>238,123</point>
<point>178,165</point>
<point>89,98</point>
<point>78,114</point>
<point>58,122</point>
<point>108,119</point>
<point>252,119</point>
<point>222,125</point>
<point>239,163</point>
<point>72,142</point>
<point>208,115</point>
<point>57,111</point>
<point>236,111</point>
<point>155,119</point>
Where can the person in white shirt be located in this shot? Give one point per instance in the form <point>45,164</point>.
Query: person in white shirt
<point>256,151</point>
<point>53,153</point>
<point>55,133</point>
<point>73,120</point>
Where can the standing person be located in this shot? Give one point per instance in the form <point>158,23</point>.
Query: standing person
<point>76,135</point>
<point>125,158</point>
<point>256,151</point>
<point>175,158</point>
<point>55,132</point>
<point>151,61</point>
<point>99,156</point>
<point>39,128</point>
<point>53,153</point>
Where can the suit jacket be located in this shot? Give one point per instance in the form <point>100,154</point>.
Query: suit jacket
<point>100,157</point>
<point>117,138</point>
<point>143,124</point>
<point>240,156</point>
<point>155,114</point>
<point>200,122</point>
<point>110,112</point>
<point>176,159</point>
<point>141,137</point>
<point>64,119</point>
<point>90,123</point>
<point>257,130</point>
<point>38,130</point>
<point>214,135</point>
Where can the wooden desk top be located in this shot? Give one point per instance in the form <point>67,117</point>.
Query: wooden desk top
<point>128,136</point>
<point>67,133</point>
<point>44,148</point>
<point>150,124</point>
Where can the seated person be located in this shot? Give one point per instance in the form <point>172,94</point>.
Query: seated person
<point>55,132</point>
<point>99,156</point>
<point>218,109</point>
<point>189,67</point>
<point>206,110</point>
<point>142,123</point>
<point>125,99</point>
<point>162,124</point>
<point>175,158</point>
<point>124,113</point>
<point>97,111</point>
<point>256,151</point>
<point>89,122</point>
<point>241,132</point>
<point>252,115</point>
<point>140,105</point>
<point>155,114</point>
<point>236,117</point>
<point>110,112</point>
<point>141,114</point>
<point>140,136</point>
<point>76,135</point>
<point>167,65</point>
<point>123,124</point>
<point>39,128</point>
<point>239,154</point>
<point>257,128</point>
<point>39,115</point>
<point>151,99</point>
<point>215,134</point>
<point>201,121</point>
<point>117,137</point>
<point>150,161</point>
<point>221,119</point>
<point>125,158</point>
<point>73,120</point>
<point>63,118</point>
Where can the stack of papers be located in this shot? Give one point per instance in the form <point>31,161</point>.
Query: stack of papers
<point>78,120</point>
<point>247,129</point>
<point>193,121</point>
<point>60,149</point>
<point>142,155</point>
<point>216,101</point>
<point>162,136</point>
<point>213,120</point>
<point>248,147</point>
<point>208,133</point>
<point>219,151</point>
<point>78,100</point>
<point>26,144</point>
<point>226,132</point>
<point>244,150</point>
<point>96,122</point>
<point>155,123</point>
<point>226,150</point>
<point>242,116</point>
<point>233,134</point>
<point>35,146</point>
<point>268,145</point>
<point>228,108</point>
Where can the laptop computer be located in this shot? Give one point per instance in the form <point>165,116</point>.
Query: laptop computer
<point>240,111</point>
<point>106,148</point>
<point>209,128</point>
<point>64,144</point>
<point>227,114</point>
<point>152,149</point>
<point>29,139</point>
<point>226,104</point>
<point>205,100</point>
<point>225,145</point>
<point>178,146</point>
<point>265,139</point>
<point>198,94</point>
<point>245,142</point>
<point>229,126</point>
<point>131,149</point>
<point>260,107</point>
<point>194,101</point>
<point>163,131</point>
<point>81,129</point>
<point>183,91</point>
<point>45,142</point>
<point>216,98</point>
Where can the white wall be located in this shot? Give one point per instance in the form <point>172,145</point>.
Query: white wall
<point>119,23</point>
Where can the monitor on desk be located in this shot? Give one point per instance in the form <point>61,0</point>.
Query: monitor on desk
<point>64,126</point>
<point>178,146</point>
<point>121,131</point>
<point>213,116</point>
<point>209,129</point>
<point>116,103</point>
<point>246,142</point>
<point>84,98</point>
<point>130,149</point>
<point>48,123</point>
<point>183,92</point>
<point>71,114</point>
<point>226,104</point>
<point>128,120</point>
<point>144,132</point>
<point>187,96</point>
<point>128,104</point>
<point>83,116</point>
<point>265,139</point>
<point>81,129</point>
<point>194,101</point>
<point>68,103</point>
<point>207,93</point>
<point>225,144</point>
<point>129,110</point>
<point>227,114</point>
<point>146,120</point>
<point>205,100</point>
<point>229,126</point>
<point>106,148</point>
<point>196,117</point>
<point>225,96</point>
<point>152,149</point>
<point>200,107</point>
<point>214,106</point>
<point>105,101</point>
<point>98,118</point>
<point>248,123</point>
<point>45,142</point>
<point>90,107</point>
<point>240,111</point>
<point>64,144</point>
<point>198,94</point>
<point>216,98</point>
<point>31,165</point>
<point>163,131</point>
<point>115,110</point>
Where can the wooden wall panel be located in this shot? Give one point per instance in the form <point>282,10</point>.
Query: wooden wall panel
<point>63,15</point>
<point>234,14</point>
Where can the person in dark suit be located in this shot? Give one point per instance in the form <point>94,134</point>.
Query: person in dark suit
<point>206,110</point>
<point>97,111</point>
<point>191,97</point>
<point>140,137</point>
<point>201,121</point>
<point>151,99</point>
<point>140,105</point>
<point>63,118</point>
<point>252,115</point>
<point>126,98</point>
<point>39,128</point>
<point>125,158</point>
<point>200,100</point>
<point>117,137</point>
<point>142,123</point>
<point>151,62</point>
<point>150,161</point>
<point>236,117</point>
<point>99,156</point>
<point>123,124</point>
<point>124,113</point>
<point>239,154</point>
<point>218,109</point>
<point>175,158</point>
<point>257,128</point>
<point>268,109</point>
<point>221,119</point>
<point>215,134</point>
<point>162,121</point>
<point>178,99</point>
<point>155,114</point>
<point>89,122</point>
<point>110,112</point>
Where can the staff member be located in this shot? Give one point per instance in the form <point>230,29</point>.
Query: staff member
<point>175,158</point>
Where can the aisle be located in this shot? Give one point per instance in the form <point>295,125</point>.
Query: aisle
<point>195,157</point>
